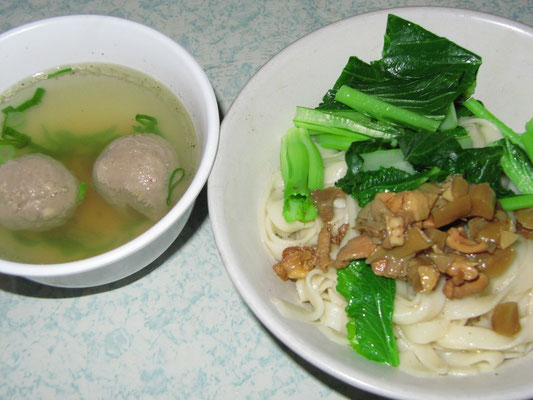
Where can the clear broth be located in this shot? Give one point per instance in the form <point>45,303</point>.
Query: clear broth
<point>81,112</point>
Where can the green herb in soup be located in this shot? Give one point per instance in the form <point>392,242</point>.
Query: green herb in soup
<point>69,117</point>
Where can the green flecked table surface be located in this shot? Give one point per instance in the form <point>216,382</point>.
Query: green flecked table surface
<point>178,328</point>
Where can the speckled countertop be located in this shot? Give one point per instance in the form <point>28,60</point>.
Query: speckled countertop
<point>178,328</point>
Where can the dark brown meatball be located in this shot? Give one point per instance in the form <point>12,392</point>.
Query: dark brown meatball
<point>134,171</point>
<point>37,193</point>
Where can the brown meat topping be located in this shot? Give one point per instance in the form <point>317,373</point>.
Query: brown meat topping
<point>451,230</point>
<point>457,240</point>
<point>324,248</point>
<point>453,291</point>
<point>323,199</point>
<point>505,319</point>
<point>296,262</point>
<point>358,247</point>
<point>337,239</point>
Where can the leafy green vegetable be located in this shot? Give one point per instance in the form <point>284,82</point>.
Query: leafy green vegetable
<point>424,150</point>
<point>443,150</point>
<point>366,184</point>
<point>302,170</point>
<point>419,71</point>
<point>517,166</point>
<point>370,306</point>
<point>374,166</point>
<point>173,182</point>
<point>383,111</point>
<point>480,165</point>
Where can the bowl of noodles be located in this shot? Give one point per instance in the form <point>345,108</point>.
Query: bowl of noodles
<point>444,338</point>
<point>109,132</point>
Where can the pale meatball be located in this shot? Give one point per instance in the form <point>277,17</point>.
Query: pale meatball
<point>37,193</point>
<point>134,171</point>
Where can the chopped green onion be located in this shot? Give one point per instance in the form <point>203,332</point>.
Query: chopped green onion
<point>173,183</point>
<point>147,124</point>
<point>81,192</point>
<point>145,119</point>
<point>36,99</point>
<point>15,137</point>
<point>14,117</point>
<point>61,71</point>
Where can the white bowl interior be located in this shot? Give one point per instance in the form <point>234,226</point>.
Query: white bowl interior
<point>249,154</point>
<point>70,40</point>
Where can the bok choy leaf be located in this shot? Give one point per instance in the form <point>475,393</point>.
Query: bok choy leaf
<point>302,170</point>
<point>370,306</point>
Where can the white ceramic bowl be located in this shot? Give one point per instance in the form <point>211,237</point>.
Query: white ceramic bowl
<point>249,154</point>
<point>49,43</point>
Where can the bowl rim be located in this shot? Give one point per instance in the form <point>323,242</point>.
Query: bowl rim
<point>205,165</point>
<point>224,243</point>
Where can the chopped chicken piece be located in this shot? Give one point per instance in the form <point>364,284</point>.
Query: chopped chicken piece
<point>296,262</point>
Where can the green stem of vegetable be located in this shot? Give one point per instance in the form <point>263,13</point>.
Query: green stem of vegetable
<point>481,112</point>
<point>517,202</point>
<point>383,111</point>
<point>335,142</point>
<point>450,121</point>
<point>351,124</point>
<point>517,167</point>
<point>527,139</point>
<point>315,176</point>
<point>302,170</point>
<point>173,182</point>
<point>319,129</point>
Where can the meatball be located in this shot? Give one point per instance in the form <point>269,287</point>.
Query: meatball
<point>134,171</point>
<point>37,193</point>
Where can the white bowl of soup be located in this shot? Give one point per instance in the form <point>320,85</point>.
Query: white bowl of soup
<point>109,132</point>
<point>245,207</point>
